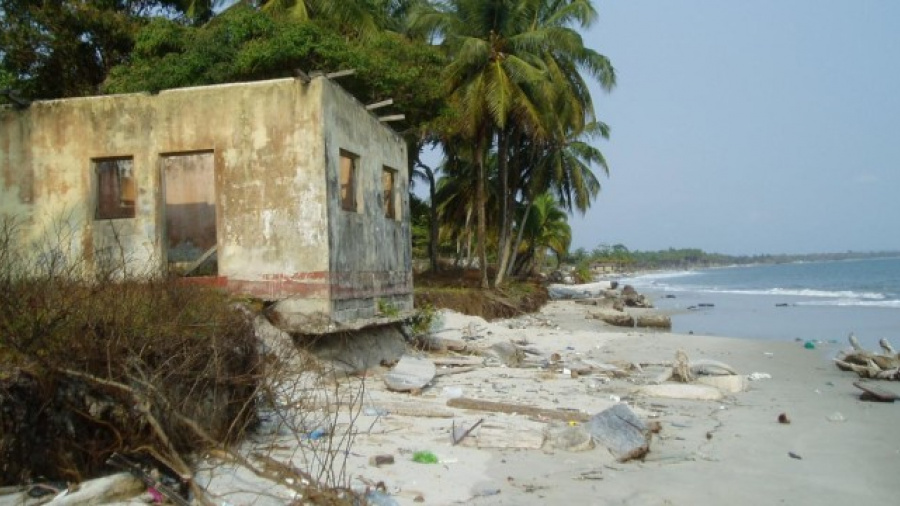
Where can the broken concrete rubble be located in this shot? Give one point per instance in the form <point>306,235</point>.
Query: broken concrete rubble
<point>410,374</point>
<point>621,431</point>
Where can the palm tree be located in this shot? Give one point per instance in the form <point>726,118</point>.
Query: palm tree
<point>546,227</point>
<point>505,75</point>
<point>563,169</point>
<point>356,18</point>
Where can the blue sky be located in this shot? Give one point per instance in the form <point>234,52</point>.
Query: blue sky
<point>742,127</point>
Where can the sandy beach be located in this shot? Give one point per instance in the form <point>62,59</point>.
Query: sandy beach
<point>836,449</point>
<point>731,449</point>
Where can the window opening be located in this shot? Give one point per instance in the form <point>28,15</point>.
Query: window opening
<point>388,176</point>
<point>349,165</point>
<point>115,188</point>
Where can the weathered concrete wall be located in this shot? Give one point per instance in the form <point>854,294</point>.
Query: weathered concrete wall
<point>370,253</point>
<point>280,231</point>
<point>270,188</point>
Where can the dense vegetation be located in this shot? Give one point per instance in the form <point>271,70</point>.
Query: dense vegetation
<point>499,86</point>
<point>620,256</point>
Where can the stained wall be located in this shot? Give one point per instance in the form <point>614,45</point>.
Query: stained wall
<point>280,232</point>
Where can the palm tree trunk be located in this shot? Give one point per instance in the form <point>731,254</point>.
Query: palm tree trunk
<point>433,219</point>
<point>505,212</point>
<point>481,203</point>
<point>515,251</point>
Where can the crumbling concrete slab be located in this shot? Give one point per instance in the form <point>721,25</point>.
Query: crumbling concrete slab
<point>621,431</point>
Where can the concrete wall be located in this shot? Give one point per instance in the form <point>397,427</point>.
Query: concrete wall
<point>273,144</point>
<point>370,254</point>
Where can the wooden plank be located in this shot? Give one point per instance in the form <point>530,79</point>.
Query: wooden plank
<point>410,373</point>
<point>383,103</point>
<point>197,263</point>
<point>454,370</point>
<point>340,73</point>
<point>519,409</point>
<point>458,361</point>
<point>506,436</point>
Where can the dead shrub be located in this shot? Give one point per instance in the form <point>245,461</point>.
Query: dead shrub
<point>90,366</point>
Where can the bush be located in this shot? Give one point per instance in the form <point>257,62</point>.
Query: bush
<point>582,272</point>
<point>90,366</point>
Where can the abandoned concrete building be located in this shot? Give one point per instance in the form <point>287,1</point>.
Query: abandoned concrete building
<point>284,190</point>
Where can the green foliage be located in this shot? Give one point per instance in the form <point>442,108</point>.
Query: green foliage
<point>582,272</point>
<point>420,223</point>
<point>427,319</point>
<point>244,44</point>
<point>386,308</point>
<point>65,48</point>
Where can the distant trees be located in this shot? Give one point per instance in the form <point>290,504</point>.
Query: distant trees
<point>694,258</point>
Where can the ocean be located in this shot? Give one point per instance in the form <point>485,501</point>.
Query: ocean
<point>807,301</point>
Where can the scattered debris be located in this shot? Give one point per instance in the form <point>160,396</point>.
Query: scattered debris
<point>149,478</point>
<point>100,491</point>
<point>783,418</point>
<point>463,432</point>
<point>381,460</point>
<point>673,391</point>
<point>424,457</point>
<point>874,393</point>
<point>410,374</point>
<point>519,409</point>
<point>867,364</point>
<point>727,384</point>
<point>794,456</point>
<point>621,431</point>
<point>520,435</point>
<point>572,438</point>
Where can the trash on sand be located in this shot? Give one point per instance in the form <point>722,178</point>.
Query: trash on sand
<point>452,392</point>
<point>379,498</point>
<point>756,376</point>
<point>809,345</point>
<point>783,418</point>
<point>376,412</point>
<point>794,456</point>
<point>425,457</point>
<point>317,434</point>
<point>837,416</point>
<point>460,433</point>
<point>381,460</point>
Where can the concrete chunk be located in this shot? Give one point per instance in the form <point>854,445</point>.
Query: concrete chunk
<point>621,431</point>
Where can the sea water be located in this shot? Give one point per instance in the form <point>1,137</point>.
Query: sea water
<point>808,301</point>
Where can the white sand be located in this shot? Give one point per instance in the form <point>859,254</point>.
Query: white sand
<point>732,451</point>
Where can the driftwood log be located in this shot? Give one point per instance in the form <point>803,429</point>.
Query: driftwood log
<point>867,364</point>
